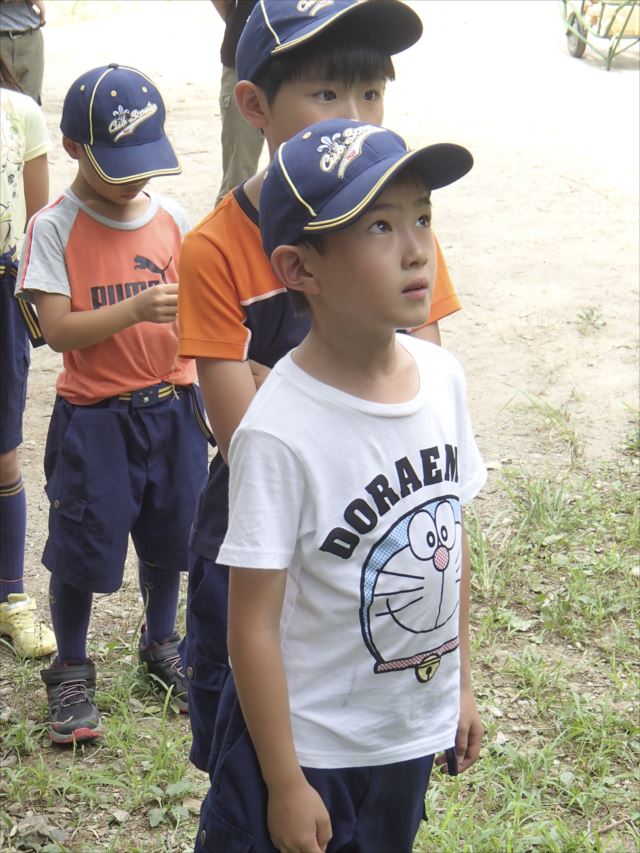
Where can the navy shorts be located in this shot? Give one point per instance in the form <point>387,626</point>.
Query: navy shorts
<point>204,651</point>
<point>14,358</point>
<point>372,809</point>
<point>119,467</point>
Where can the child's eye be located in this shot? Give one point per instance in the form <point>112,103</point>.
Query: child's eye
<point>326,95</point>
<point>372,95</point>
<point>424,221</point>
<point>379,227</point>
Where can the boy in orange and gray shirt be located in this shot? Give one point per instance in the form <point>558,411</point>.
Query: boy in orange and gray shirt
<point>125,453</point>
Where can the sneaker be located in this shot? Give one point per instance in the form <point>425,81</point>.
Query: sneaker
<point>18,620</point>
<point>164,665</point>
<point>73,716</point>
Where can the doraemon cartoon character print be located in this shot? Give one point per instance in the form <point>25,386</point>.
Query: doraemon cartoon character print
<point>409,590</point>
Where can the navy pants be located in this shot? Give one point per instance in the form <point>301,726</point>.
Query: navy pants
<point>372,809</point>
<point>204,653</point>
<point>127,465</point>
<point>14,358</point>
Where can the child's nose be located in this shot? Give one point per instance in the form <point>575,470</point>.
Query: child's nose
<point>357,109</point>
<point>415,251</point>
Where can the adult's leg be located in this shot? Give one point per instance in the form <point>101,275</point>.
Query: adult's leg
<point>241,143</point>
<point>25,56</point>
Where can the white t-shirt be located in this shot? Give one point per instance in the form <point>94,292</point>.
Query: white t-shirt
<point>23,137</point>
<point>361,503</point>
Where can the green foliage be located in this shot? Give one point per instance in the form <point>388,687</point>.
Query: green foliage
<point>555,635</point>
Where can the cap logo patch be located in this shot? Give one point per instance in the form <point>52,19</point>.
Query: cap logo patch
<point>126,121</point>
<point>312,7</point>
<point>343,148</point>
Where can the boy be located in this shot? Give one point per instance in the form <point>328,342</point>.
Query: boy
<point>124,453</point>
<point>24,189</point>
<point>349,578</point>
<point>298,62</point>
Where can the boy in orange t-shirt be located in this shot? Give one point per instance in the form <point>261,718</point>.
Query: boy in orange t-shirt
<point>125,454</point>
<point>297,63</point>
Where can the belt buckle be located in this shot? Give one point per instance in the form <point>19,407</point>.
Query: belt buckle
<point>144,397</point>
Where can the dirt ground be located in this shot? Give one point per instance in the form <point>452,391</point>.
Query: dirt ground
<point>541,239</point>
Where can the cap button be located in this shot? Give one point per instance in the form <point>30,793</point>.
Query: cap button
<point>113,65</point>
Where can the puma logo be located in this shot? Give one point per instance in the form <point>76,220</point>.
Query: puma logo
<point>142,263</point>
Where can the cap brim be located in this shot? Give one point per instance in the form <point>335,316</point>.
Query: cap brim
<point>390,25</point>
<point>438,165</point>
<point>134,163</point>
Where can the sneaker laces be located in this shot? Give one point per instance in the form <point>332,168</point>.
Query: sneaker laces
<point>175,665</point>
<point>73,693</point>
<point>23,619</point>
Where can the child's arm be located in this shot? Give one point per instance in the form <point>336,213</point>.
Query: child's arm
<point>297,817</point>
<point>470,728</point>
<point>65,330</point>
<point>227,388</point>
<point>35,180</point>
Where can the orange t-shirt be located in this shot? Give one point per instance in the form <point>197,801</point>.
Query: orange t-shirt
<point>232,306</point>
<point>75,252</point>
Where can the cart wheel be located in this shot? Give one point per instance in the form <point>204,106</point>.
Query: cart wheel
<point>576,44</point>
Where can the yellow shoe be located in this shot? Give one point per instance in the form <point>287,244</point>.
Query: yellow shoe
<point>18,620</point>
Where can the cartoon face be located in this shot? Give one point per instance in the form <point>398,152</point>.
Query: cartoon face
<point>410,590</point>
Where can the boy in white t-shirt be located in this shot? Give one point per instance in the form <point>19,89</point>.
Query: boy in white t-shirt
<point>349,586</point>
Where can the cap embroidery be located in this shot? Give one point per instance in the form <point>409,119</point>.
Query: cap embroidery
<point>343,148</point>
<point>312,7</point>
<point>126,121</point>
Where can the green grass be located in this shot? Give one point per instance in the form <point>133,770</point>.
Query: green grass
<point>555,639</point>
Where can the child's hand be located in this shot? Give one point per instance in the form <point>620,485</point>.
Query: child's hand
<point>469,734</point>
<point>298,820</point>
<point>157,304</point>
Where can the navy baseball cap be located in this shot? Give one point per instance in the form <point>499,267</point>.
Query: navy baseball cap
<point>276,26</point>
<point>118,115</point>
<point>326,176</point>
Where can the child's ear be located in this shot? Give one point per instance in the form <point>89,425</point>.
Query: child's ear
<point>289,265</point>
<point>71,147</point>
<point>252,103</point>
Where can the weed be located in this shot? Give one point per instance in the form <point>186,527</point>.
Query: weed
<point>589,321</point>
<point>558,423</point>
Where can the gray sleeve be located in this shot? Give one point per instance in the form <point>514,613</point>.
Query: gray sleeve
<point>42,263</point>
<point>176,210</point>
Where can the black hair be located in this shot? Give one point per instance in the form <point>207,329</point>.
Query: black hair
<point>342,56</point>
<point>7,78</point>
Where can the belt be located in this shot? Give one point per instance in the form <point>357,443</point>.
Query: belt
<point>149,396</point>
<point>15,34</point>
<point>140,399</point>
<point>154,394</point>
